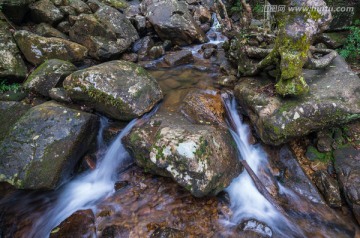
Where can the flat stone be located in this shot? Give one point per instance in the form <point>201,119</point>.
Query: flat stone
<point>334,99</point>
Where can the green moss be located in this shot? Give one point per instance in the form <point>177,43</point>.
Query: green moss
<point>314,154</point>
<point>134,137</point>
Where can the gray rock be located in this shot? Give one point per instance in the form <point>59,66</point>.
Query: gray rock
<point>45,11</point>
<point>42,148</point>
<point>64,27</point>
<point>208,53</point>
<point>107,33</point>
<point>200,158</point>
<point>329,187</point>
<point>142,47</point>
<point>120,89</point>
<point>12,67</point>
<point>347,165</point>
<point>172,21</point>
<point>202,14</point>
<point>46,30</point>
<point>334,99</point>
<point>37,49</point>
<point>324,141</point>
<point>60,95</point>
<point>79,6</point>
<point>48,75</point>
<point>178,58</point>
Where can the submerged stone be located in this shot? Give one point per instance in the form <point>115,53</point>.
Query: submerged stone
<point>43,146</point>
<point>119,89</point>
<point>201,158</point>
<point>334,99</point>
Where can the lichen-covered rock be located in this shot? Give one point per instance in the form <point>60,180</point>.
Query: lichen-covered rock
<point>12,67</point>
<point>119,89</point>
<point>45,11</point>
<point>204,107</point>
<point>59,94</point>
<point>78,5</point>
<point>106,34</point>
<point>44,29</point>
<point>10,112</point>
<point>37,49</point>
<point>43,146</point>
<point>347,165</point>
<point>48,75</point>
<point>334,99</point>
<point>201,158</point>
<point>172,21</point>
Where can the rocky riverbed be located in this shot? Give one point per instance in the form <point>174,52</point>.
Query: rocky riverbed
<point>157,71</point>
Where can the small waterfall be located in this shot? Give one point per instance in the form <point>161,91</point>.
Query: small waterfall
<point>247,203</point>
<point>87,189</point>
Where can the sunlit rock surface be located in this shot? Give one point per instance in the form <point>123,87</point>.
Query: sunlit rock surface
<point>334,99</point>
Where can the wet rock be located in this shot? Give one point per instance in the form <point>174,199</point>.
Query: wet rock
<point>202,14</point>
<point>48,75</point>
<point>142,47</point>
<point>60,95</point>
<point>37,49</point>
<point>46,30</point>
<point>200,158</point>
<point>324,141</point>
<point>79,224</point>
<point>119,89</point>
<point>347,165</point>
<point>178,58</point>
<point>209,52</point>
<point>172,21</point>
<point>205,27</point>
<point>45,11</point>
<point>167,232</point>
<point>16,10</point>
<point>106,34</point>
<point>43,146</point>
<point>140,23</point>
<point>10,112</point>
<point>295,178</point>
<point>227,81</point>
<point>132,57</point>
<point>329,187</point>
<point>12,67</point>
<point>333,99</point>
<point>204,107</point>
<point>254,228</point>
<point>156,52</point>
<point>115,231</point>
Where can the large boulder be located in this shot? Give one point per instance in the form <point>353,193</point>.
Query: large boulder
<point>48,75</point>
<point>347,165</point>
<point>43,146</point>
<point>37,49</point>
<point>334,99</point>
<point>119,89</point>
<point>45,11</point>
<point>12,67</point>
<point>172,21</point>
<point>107,33</point>
<point>201,158</point>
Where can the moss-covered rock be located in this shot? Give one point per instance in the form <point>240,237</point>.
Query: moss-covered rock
<point>43,146</point>
<point>12,67</point>
<point>107,33</point>
<point>201,158</point>
<point>119,89</point>
<point>44,29</point>
<point>172,21</point>
<point>48,75</point>
<point>37,49</point>
<point>334,99</point>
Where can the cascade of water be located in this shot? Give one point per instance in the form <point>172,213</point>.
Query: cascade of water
<point>246,201</point>
<point>87,189</point>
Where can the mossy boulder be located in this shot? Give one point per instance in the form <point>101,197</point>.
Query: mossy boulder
<point>107,33</point>
<point>48,75</point>
<point>43,146</point>
<point>120,89</point>
<point>201,158</point>
<point>12,66</point>
<point>10,112</point>
<point>334,99</point>
<point>37,49</point>
<point>173,21</point>
<point>45,11</point>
